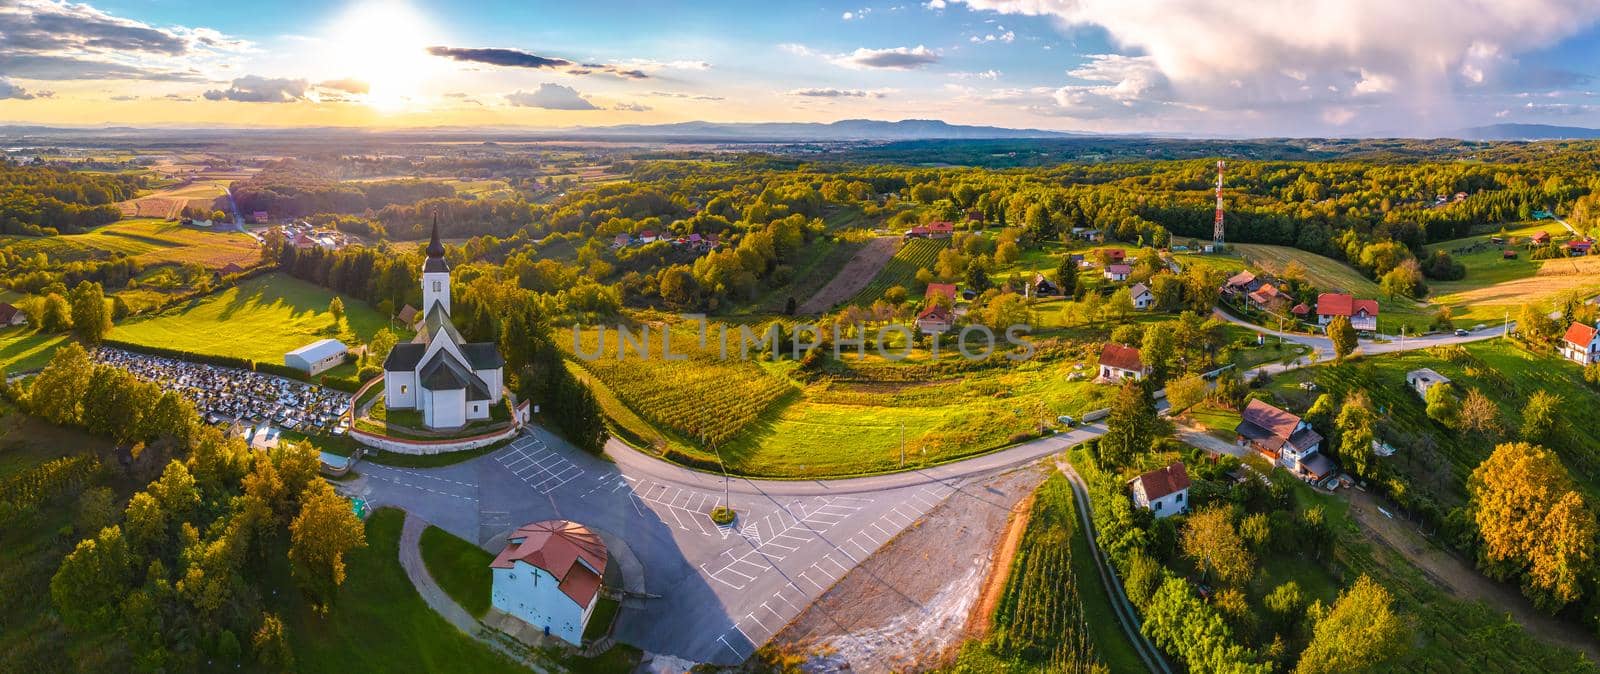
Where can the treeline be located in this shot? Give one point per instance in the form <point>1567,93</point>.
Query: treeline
<point>181,578</point>
<point>43,201</point>
<point>287,190</point>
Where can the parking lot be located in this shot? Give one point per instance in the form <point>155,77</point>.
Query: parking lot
<point>710,593</point>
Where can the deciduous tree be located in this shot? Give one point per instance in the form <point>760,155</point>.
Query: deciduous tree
<point>1343,337</point>
<point>319,537</point>
<point>1359,633</point>
<point>1533,523</point>
<point>91,318</point>
<point>1210,539</point>
<point>1133,425</point>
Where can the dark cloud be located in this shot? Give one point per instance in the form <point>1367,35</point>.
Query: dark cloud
<point>516,58</point>
<point>52,27</point>
<point>256,89</point>
<point>10,90</point>
<point>898,58</point>
<point>125,97</point>
<point>347,85</point>
<point>551,97</point>
<point>495,56</point>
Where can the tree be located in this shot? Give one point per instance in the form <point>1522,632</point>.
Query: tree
<point>383,341</point>
<point>336,307</point>
<point>91,319</point>
<point>1343,337</point>
<point>271,644</point>
<point>92,579</point>
<point>1479,414</point>
<point>1167,292</point>
<point>55,314</point>
<point>1133,425</point>
<point>1067,276</point>
<point>1285,602</point>
<point>319,537</point>
<point>1359,633</point>
<point>1210,539</point>
<point>96,510</point>
<point>1120,305</point>
<point>1358,427</point>
<point>1542,423</point>
<point>1442,405</point>
<point>977,276</point>
<point>1005,311</point>
<point>1533,523</point>
<point>1186,392</point>
<point>58,392</point>
<point>1535,326</point>
<point>1156,351</point>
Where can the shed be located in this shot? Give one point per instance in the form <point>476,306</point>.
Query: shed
<point>317,357</point>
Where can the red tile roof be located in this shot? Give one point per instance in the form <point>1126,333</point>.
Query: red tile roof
<point>935,289</point>
<point>1275,421</point>
<point>1580,334</point>
<point>1121,357</point>
<point>941,226</point>
<point>934,312</point>
<point>1541,236</point>
<point>1301,308</point>
<point>1241,279</point>
<point>557,546</point>
<point>1115,253</point>
<point>1340,304</point>
<point>7,312</point>
<point>1164,481</point>
<point>1120,269</point>
<point>1369,307</point>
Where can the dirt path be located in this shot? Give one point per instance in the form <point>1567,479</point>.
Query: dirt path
<point>907,607</point>
<point>1460,579</point>
<point>979,622</point>
<point>855,275</point>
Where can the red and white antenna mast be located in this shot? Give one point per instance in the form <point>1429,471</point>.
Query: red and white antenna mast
<point>1216,232</point>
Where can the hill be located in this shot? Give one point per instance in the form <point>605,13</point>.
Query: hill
<point>1529,132</point>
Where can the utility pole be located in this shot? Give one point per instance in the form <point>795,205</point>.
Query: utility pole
<point>902,444</point>
<point>1505,326</point>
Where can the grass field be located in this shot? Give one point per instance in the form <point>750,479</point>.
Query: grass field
<point>147,240</point>
<point>459,567</point>
<point>1494,285</point>
<point>168,204</point>
<point>22,348</point>
<point>901,270</point>
<point>260,319</point>
<point>1330,275</point>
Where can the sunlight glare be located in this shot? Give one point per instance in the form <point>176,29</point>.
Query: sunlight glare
<point>384,43</point>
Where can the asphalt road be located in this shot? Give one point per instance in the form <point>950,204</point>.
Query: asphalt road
<point>704,592</point>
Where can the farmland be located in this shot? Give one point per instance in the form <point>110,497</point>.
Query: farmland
<point>22,348</point>
<point>260,319</point>
<point>1495,285</point>
<point>1330,275</point>
<point>168,204</point>
<point>901,270</point>
<point>148,241</point>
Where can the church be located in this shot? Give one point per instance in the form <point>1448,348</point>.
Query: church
<point>452,382</point>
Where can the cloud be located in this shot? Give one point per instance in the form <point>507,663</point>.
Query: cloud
<point>511,58</point>
<point>347,85</point>
<point>679,94</point>
<point>10,90</point>
<point>125,97</point>
<point>178,97</point>
<point>985,75</point>
<point>857,14</point>
<point>897,58</point>
<point>837,93</point>
<point>516,58</point>
<point>934,4</point>
<point>652,65</point>
<point>551,97</point>
<point>1004,36</point>
<point>1283,53</point>
<point>632,107</point>
<point>46,40</point>
<point>257,89</point>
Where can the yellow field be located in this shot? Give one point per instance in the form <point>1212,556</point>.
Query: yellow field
<point>1326,273</point>
<point>147,240</point>
<point>1554,279</point>
<point>169,203</point>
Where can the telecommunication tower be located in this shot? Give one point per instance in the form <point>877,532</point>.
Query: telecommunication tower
<point>1216,232</point>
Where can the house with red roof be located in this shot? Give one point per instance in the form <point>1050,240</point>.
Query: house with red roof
<point>934,319</point>
<point>1284,439</point>
<point>1581,344</point>
<point>1113,254</point>
<point>1540,238</point>
<point>939,229</point>
<point>1363,314</point>
<point>1119,362</point>
<point>1118,272</point>
<point>1163,491</point>
<point>1267,298</point>
<point>1578,247</point>
<point>945,290</point>
<point>549,576</point>
<point>648,236</point>
<point>917,232</point>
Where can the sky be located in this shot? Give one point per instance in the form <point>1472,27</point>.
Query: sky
<point>1208,67</point>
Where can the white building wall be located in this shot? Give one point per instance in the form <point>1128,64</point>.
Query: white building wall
<point>444,409</point>
<point>533,596</point>
<point>435,287</point>
<point>400,390</point>
<point>495,378</point>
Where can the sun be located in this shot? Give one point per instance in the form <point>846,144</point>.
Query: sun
<point>385,45</point>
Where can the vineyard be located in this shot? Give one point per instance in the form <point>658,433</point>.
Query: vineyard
<point>24,492</point>
<point>1040,619</point>
<point>901,270</point>
<point>701,398</point>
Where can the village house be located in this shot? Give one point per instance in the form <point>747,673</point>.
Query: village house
<point>1421,380</point>
<point>1239,283</point>
<point>940,229</point>
<point>549,576</point>
<point>1267,298</point>
<point>1141,297</point>
<point>1114,255</point>
<point>1163,491</point>
<point>1118,362</point>
<point>1042,287</point>
<point>1284,439</point>
<point>1581,344</point>
<point>945,290</point>
<point>933,319</point>
<point>648,236</point>
<point>1118,272</point>
<point>1363,314</point>
<point>10,315</point>
<point>917,232</point>
<point>1578,247</point>
<point>621,241</point>
<point>1540,238</point>
<point>407,316</point>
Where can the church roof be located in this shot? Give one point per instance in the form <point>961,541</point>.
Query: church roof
<point>404,357</point>
<point>435,249</point>
<point>436,323</point>
<point>443,372</point>
<point>483,355</point>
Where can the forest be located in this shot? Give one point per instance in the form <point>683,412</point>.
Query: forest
<point>41,201</point>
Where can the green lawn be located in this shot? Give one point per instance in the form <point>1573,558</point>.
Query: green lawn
<point>379,623</point>
<point>459,567</point>
<point>260,319</point>
<point>148,240</point>
<point>1330,275</point>
<point>1219,421</point>
<point>22,348</point>
<point>1110,643</point>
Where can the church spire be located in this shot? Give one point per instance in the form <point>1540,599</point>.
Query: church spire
<point>435,249</point>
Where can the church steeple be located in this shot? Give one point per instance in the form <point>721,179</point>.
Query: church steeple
<point>435,249</point>
<point>435,274</point>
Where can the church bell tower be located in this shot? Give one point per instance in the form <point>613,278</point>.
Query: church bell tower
<point>435,274</point>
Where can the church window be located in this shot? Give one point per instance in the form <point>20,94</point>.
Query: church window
<point>436,286</point>
<point>402,389</point>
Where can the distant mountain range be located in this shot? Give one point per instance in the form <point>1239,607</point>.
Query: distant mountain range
<point>1529,132</point>
<point>842,130</point>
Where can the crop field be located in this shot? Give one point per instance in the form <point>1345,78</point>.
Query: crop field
<point>1494,285</point>
<point>147,240</point>
<point>901,270</point>
<point>260,319</point>
<point>22,348</point>
<point>701,398</point>
<point>168,204</point>
<point>1325,273</point>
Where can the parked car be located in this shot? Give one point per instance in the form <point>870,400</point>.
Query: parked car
<point>1067,420</point>
<point>1461,332</point>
